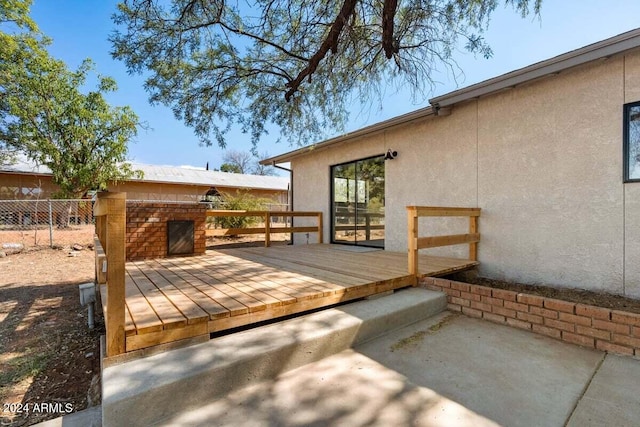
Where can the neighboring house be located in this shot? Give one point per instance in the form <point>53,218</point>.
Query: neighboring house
<point>548,152</point>
<point>24,180</point>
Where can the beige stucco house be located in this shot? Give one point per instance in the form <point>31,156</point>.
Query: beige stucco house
<point>550,153</point>
<point>24,180</point>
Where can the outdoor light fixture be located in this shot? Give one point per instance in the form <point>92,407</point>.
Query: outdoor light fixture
<point>390,154</point>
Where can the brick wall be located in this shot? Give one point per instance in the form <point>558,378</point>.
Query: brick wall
<point>147,227</point>
<point>586,325</point>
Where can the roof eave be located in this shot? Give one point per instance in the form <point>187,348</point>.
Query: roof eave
<point>601,50</point>
<point>377,127</point>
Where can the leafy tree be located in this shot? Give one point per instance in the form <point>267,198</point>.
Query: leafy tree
<point>296,64</point>
<point>230,168</point>
<point>43,113</point>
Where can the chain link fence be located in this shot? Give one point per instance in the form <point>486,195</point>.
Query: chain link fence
<point>55,223</point>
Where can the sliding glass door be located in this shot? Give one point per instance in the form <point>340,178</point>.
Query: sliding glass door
<point>358,202</point>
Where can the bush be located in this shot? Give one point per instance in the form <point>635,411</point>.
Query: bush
<point>240,201</point>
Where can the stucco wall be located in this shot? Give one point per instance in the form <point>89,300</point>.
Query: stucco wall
<point>632,192</point>
<point>542,160</point>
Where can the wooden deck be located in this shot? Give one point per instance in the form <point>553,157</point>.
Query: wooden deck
<point>176,298</point>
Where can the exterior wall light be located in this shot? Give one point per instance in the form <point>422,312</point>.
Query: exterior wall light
<point>391,154</point>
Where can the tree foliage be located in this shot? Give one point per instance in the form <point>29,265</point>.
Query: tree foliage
<point>297,64</point>
<point>44,114</point>
<point>244,162</point>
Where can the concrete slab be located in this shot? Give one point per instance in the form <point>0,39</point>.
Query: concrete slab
<point>141,392</point>
<point>447,370</point>
<point>91,417</point>
<point>508,375</point>
<point>612,398</point>
<point>347,389</point>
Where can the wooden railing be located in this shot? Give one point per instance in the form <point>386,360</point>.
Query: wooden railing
<point>367,226</point>
<point>415,242</point>
<point>267,229</point>
<point>109,211</point>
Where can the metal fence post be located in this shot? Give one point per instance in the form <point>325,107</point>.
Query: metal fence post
<point>50,224</point>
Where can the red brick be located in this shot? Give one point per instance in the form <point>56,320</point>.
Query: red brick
<point>470,296</point>
<point>503,294</point>
<point>451,292</point>
<point>518,323</point>
<point>626,340</point>
<point>625,317</point>
<point>593,312</point>
<point>556,304</point>
<point>471,312</point>
<point>559,325</point>
<point>613,348</point>
<point>481,306</point>
<point>443,282</point>
<point>551,314</point>
<point>433,288</point>
<point>544,330</point>
<point>516,306</point>
<point>493,301</point>
<point>460,301</point>
<point>532,318</point>
<point>572,318</point>
<point>427,281</point>
<point>596,333</point>
<point>494,317</point>
<point>610,326</point>
<point>481,290</point>
<point>635,331</point>
<point>504,311</point>
<point>578,339</point>
<point>462,287</point>
<point>530,299</point>
<point>454,307</point>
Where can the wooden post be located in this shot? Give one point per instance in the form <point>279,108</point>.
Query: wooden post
<point>473,247</point>
<point>267,229</point>
<point>320,227</point>
<point>412,239</point>
<point>113,206</point>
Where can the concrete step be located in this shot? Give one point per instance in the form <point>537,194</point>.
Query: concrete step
<point>146,391</point>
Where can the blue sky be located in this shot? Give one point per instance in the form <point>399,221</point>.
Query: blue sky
<point>80,28</point>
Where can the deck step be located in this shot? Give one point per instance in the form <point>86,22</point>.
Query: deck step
<point>146,391</point>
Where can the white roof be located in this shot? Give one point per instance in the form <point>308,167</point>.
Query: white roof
<point>174,175</point>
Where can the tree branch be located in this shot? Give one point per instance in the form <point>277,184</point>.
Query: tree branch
<point>388,16</point>
<point>329,43</point>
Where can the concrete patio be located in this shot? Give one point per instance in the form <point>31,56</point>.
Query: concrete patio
<point>443,370</point>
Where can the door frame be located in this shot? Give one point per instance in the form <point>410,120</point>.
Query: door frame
<point>331,203</point>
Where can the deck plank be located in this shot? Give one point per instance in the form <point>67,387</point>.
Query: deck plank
<point>187,307</point>
<point>233,307</point>
<point>204,301</point>
<point>341,263</point>
<point>175,298</point>
<point>188,265</point>
<point>166,311</point>
<point>144,317</point>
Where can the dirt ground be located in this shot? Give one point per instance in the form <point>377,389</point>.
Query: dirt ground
<point>48,355</point>
<point>49,359</point>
